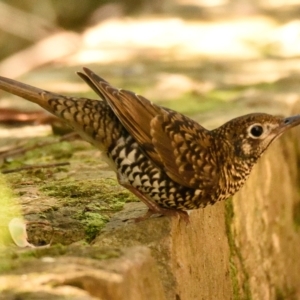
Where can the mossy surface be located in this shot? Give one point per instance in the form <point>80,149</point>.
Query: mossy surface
<point>296,215</point>
<point>194,104</point>
<point>238,273</point>
<point>77,200</point>
<point>15,260</point>
<point>10,209</point>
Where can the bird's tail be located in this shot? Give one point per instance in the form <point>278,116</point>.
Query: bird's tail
<point>33,94</point>
<point>92,119</point>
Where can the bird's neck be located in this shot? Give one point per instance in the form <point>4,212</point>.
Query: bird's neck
<point>234,170</point>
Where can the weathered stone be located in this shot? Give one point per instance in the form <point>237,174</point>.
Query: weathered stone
<point>192,258</point>
<point>244,248</point>
<point>264,232</point>
<point>133,275</point>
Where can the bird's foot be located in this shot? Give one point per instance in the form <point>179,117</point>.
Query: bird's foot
<point>183,215</point>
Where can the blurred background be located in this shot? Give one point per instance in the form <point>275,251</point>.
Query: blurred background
<point>210,59</point>
<point>195,56</point>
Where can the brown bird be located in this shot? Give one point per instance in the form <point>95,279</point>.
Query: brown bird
<point>166,159</point>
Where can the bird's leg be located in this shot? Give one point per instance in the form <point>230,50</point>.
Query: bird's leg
<point>153,207</point>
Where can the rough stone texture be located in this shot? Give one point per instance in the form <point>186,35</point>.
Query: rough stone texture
<point>193,259</point>
<point>245,248</point>
<point>265,232</point>
<point>131,276</point>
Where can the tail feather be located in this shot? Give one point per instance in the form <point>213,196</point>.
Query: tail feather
<point>33,94</point>
<point>93,81</point>
<point>92,119</point>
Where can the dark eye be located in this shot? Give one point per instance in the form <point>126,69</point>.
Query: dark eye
<point>256,131</point>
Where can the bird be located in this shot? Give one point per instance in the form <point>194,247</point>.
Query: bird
<point>167,160</point>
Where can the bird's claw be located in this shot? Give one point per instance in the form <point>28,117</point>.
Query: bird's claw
<point>183,215</point>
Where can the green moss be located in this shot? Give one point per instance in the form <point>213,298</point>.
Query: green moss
<point>34,176</point>
<point>285,293</point>
<point>279,294</point>
<point>95,200</point>
<point>13,258</point>
<point>105,191</point>
<point>58,151</point>
<point>55,250</point>
<point>192,103</point>
<point>106,254</point>
<point>229,214</point>
<point>93,223</point>
<point>94,252</point>
<point>21,259</point>
<point>238,272</point>
<point>9,209</point>
<point>296,215</point>
<point>5,265</point>
<point>89,202</point>
<point>86,198</point>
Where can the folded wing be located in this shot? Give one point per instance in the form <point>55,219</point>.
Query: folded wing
<point>174,142</point>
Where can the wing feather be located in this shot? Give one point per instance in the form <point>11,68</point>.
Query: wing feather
<point>174,142</point>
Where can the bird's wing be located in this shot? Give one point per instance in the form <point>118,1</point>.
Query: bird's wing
<point>175,143</point>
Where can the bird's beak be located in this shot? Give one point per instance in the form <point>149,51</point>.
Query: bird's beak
<point>289,123</point>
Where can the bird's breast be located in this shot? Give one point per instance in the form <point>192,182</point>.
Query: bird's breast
<point>136,169</point>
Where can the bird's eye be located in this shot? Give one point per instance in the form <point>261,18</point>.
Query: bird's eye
<point>256,131</point>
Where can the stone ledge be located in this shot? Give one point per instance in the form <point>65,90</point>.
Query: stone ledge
<point>85,273</point>
<point>244,248</point>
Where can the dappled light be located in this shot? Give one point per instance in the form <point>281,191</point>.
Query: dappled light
<point>171,59</point>
<point>211,60</point>
<point>203,52</point>
<point>170,38</point>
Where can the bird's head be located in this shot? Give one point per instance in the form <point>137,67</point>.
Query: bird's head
<point>250,135</point>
